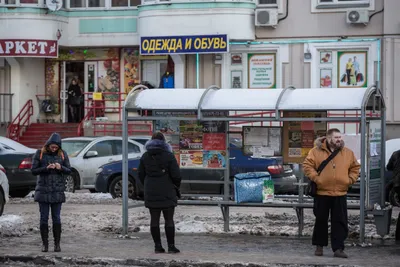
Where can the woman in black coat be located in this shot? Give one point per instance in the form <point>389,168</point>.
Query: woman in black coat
<point>50,164</point>
<point>159,173</point>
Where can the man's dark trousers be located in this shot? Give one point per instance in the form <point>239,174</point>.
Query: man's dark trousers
<point>337,206</point>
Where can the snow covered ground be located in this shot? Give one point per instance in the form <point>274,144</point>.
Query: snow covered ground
<point>86,212</point>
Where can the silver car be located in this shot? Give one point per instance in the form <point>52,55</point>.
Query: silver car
<point>4,189</point>
<point>87,154</point>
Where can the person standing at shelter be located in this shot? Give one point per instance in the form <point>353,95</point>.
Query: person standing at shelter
<point>332,183</point>
<point>50,164</point>
<point>159,173</point>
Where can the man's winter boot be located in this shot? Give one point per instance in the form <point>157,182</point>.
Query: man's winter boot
<point>44,233</point>
<point>57,237</point>
<point>155,233</point>
<point>319,251</point>
<point>340,254</point>
<point>170,233</point>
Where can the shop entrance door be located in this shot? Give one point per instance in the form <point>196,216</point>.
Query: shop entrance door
<point>71,71</point>
<point>90,82</point>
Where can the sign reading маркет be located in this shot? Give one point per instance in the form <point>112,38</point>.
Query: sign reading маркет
<point>164,45</point>
<point>29,48</point>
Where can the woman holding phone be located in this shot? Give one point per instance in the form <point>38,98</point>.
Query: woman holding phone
<point>50,164</point>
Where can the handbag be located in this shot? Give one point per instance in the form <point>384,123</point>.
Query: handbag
<point>311,189</point>
<point>177,190</point>
<point>75,100</point>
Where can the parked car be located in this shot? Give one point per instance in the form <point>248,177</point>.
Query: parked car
<point>141,138</point>
<point>87,154</point>
<point>109,176</point>
<point>391,195</point>
<point>11,145</point>
<point>4,189</point>
<point>17,166</point>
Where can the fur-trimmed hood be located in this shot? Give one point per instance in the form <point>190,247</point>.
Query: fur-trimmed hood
<point>320,143</point>
<point>155,145</point>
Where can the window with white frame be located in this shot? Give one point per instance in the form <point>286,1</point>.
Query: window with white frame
<point>87,3</point>
<point>39,3</point>
<point>270,4</point>
<point>340,4</point>
<point>125,3</point>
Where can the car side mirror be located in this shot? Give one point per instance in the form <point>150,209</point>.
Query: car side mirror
<point>91,154</point>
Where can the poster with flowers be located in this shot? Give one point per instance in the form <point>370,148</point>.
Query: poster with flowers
<point>108,82</point>
<point>352,69</point>
<point>131,68</point>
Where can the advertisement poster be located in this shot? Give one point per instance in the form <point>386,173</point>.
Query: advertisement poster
<point>214,159</point>
<point>326,78</point>
<point>214,141</point>
<point>191,135</point>
<point>131,68</point>
<point>262,141</point>
<point>352,69</point>
<point>214,126</point>
<point>299,137</point>
<point>191,158</point>
<point>261,71</point>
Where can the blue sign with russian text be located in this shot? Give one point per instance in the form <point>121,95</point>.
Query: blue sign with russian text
<point>165,45</point>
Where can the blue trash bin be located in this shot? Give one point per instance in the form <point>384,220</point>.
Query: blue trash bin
<point>249,186</point>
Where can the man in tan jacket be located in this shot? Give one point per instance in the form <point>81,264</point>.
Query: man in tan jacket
<point>332,186</point>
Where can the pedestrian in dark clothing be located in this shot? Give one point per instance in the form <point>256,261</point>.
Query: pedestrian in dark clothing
<point>74,100</point>
<point>394,166</point>
<point>159,173</point>
<point>333,182</point>
<point>50,164</point>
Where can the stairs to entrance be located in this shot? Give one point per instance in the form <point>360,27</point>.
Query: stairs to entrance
<point>37,134</point>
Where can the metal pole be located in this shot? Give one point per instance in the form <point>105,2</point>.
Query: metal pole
<point>383,154</point>
<point>362,176</point>
<point>227,167</point>
<point>124,171</point>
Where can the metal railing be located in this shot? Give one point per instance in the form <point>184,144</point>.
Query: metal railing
<point>21,121</point>
<point>5,108</point>
<point>98,108</point>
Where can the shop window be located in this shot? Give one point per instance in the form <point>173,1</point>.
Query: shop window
<point>339,5</point>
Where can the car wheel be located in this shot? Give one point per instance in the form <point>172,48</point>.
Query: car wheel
<point>70,183</point>
<point>2,202</point>
<point>394,197</point>
<point>116,188</point>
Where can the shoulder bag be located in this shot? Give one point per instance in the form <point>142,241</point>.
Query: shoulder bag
<point>311,189</point>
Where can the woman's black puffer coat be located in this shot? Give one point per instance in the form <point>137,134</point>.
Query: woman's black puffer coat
<point>159,173</point>
<point>50,184</point>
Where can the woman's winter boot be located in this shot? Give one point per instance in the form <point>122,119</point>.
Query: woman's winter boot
<point>170,233</point>
<point>155,233</point>
<point>57,237</point>
<point>44,233</point>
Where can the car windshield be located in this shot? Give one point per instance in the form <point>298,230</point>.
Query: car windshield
<point>73,147</point>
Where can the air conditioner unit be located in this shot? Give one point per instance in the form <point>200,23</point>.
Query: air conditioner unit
<point>357,16</point>
<point>266,17</point>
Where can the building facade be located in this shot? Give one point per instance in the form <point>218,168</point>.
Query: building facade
<point>262,44</point>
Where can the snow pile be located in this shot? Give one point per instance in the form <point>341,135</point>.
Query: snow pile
<point>77,198</point>
<point>11,225</point>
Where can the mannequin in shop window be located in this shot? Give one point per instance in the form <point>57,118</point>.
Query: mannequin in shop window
<point>74,100</point>
<point>167,80</point>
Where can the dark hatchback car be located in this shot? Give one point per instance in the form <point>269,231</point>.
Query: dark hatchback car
<point>109,176</point>
<point>18,170</point>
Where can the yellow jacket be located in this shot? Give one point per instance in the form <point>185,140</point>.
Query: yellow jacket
<point>341,172</point>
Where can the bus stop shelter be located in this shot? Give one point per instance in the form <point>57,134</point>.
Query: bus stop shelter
<point>286,105</point>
